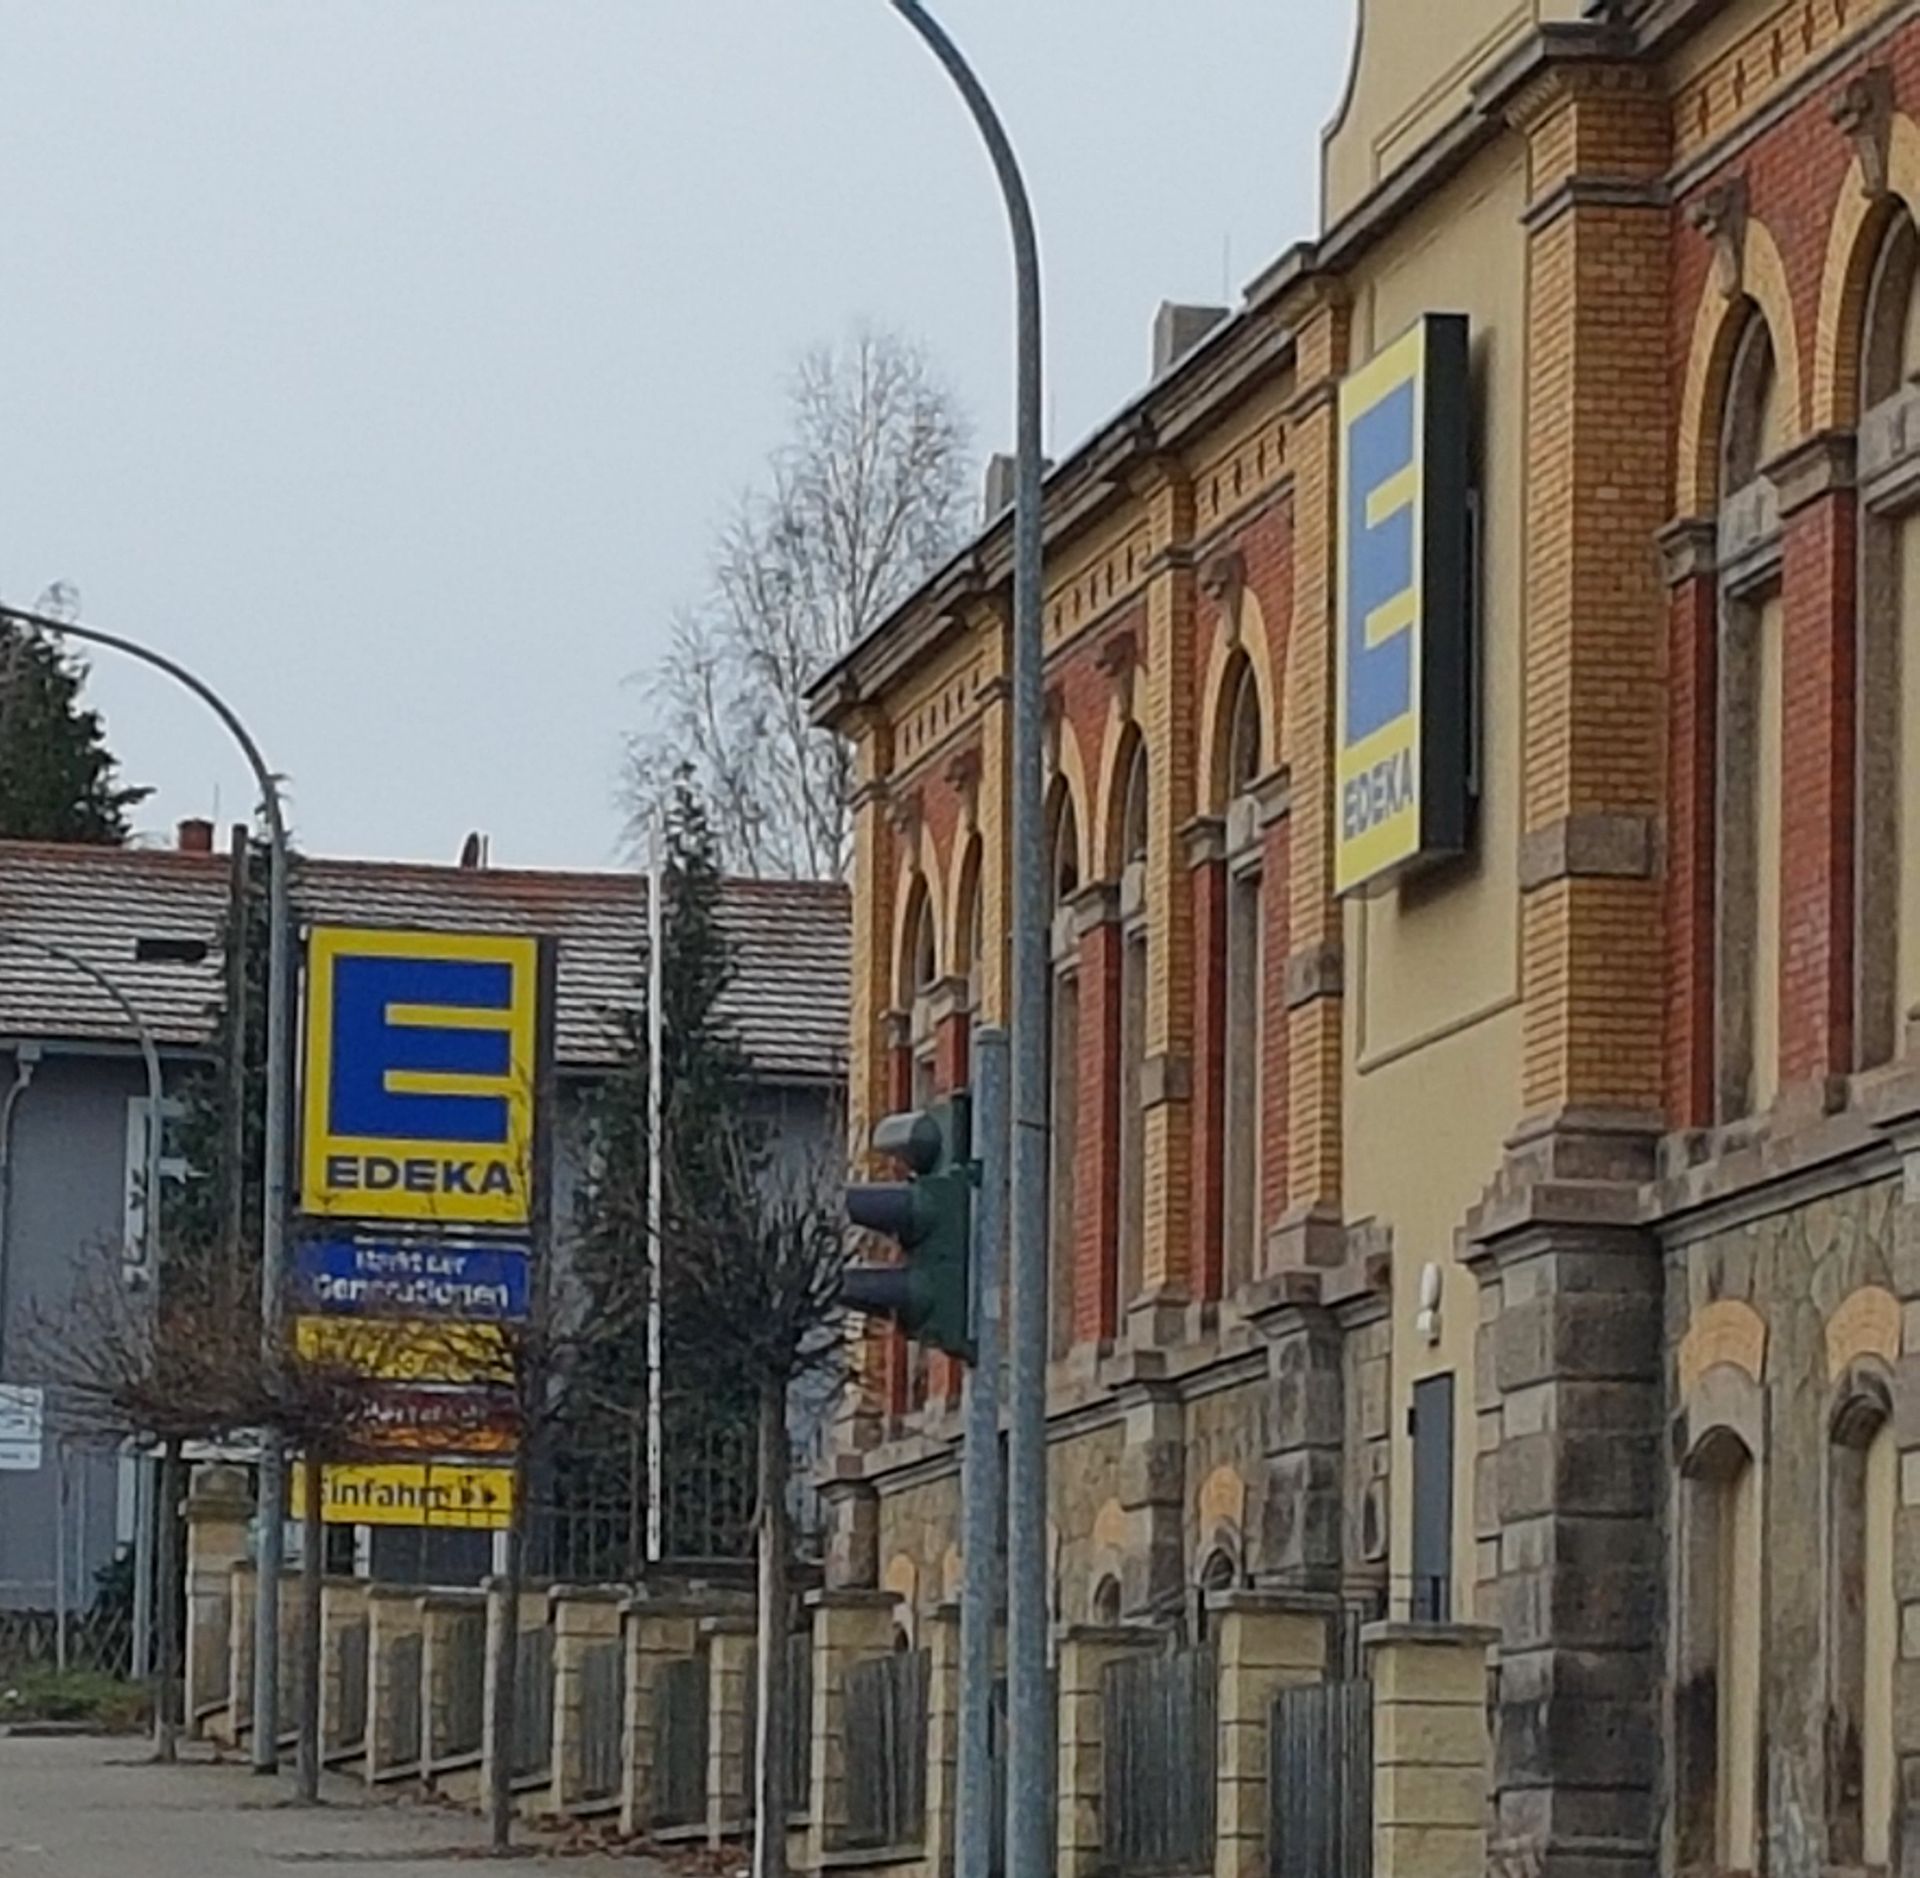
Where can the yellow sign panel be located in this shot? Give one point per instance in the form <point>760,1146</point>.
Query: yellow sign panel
<point>405,1351</point>
<point>420,1072</point>
<point>445,1494</point>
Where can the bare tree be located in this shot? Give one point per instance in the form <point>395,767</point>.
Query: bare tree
<point>864,500</point>
<point>758,1290</point>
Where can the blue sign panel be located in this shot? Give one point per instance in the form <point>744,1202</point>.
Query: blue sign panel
<point>431,1279</point>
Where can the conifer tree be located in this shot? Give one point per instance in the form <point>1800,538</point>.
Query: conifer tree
<point>58,779</point>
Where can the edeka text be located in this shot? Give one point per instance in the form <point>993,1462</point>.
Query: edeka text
<point>423,1174</point>
<point>1376,795</point>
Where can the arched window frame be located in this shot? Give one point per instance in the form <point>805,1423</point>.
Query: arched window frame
<point>1063,1064</point>
<point>1241,1107</point>
<point>1135,964</point>
<point>1747,732</point>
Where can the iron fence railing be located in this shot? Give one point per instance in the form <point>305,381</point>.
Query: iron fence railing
<point>1161,1749</point>
<point>886,1754</point>
<point>533,1705</point>
<point>679,1791</point>
<point>799,1738</point>
<point>98,1638</point>
<point>1320,1782</point>
<point>602,1709</point>
<point>466,1684</point>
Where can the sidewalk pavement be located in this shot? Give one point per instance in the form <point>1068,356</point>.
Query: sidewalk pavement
<point>87,1808</point>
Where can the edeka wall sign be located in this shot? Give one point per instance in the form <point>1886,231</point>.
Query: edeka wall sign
<point>1401,778</point>
<point>420,1072</point>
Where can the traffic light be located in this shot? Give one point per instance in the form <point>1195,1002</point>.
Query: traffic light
<point>930,1216</point>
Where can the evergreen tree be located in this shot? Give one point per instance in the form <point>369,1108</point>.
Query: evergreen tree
<point>58,779</point>
<point>707,1133</point>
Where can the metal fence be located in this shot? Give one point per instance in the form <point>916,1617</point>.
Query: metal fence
<point>466,1683</point>
<point>400,1723</point>
<point>679,1795</point>
<point>99,1638</point>
<point>602,1711</point>
<point>886,1733</point>
<point>1161,1752</point>
<point>533,1705</point>
<point>1320,1782</point>
<point>352,1732</point>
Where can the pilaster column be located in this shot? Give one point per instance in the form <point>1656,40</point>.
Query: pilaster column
<point>343,1609</point>
<point>1299,1546</point>
<point>1693,686</point>
<point>1596,480</point>
<point>943,1739</point>
<point>1316,1043</point>
<point>848,1628</point>
<point>1267,1642</point>
<point>1096,1241</point>
<point>1085,1652</point>
<point>449,1623</point>
<point>1153,1492</point>
<point>1207,867</point>
<point>583,1620</point>
<point>1429,1749</point>
<point>1169,724</point>
<point>657,1631</point>
<point>245,1591</point>
<point>1817,754</point>
<point>395,1658</point>
<point>219,1510</point>
<point>729,1645</point>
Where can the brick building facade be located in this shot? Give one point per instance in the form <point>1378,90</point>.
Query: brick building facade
<point>1527,1245</point>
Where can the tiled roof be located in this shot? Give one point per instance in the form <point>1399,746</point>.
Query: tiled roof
<point>790,943</point>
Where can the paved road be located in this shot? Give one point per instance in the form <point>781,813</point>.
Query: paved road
<point>93,1809</point>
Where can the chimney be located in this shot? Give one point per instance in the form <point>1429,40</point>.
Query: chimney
<point>474,851</point>
<point>999,488</point>
<point>1178,329</point>
<point>195,836</point>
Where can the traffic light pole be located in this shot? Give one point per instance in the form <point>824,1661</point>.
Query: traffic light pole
<point>1030,1738</point>
<point>980,1496</point>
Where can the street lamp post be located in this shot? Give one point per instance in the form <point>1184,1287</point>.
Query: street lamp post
<point>266,1632</point>
<point>1030,1737</point>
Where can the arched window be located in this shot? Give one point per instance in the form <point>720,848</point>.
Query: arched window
<point>1887,827</point>
<point>1063,1070</point>
<point>1717,1699</point>
<point>1245,924</point>
<point>1748,821</point>
<point>1862,1623</point>
<point>922,969</point>
<point>1132,1168</point>
<point>972,926</point>
<point>1106,1601</point>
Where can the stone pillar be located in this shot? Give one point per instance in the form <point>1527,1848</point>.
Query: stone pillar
<point>241,1599</point>
<point>441,1613</point>
<point>657,1630</point>
<point>1081,1720</point>
<point>848,1627</point>
<point>1575,1345</point>
<point>396,1655</point>
<point>1299,1545</point>
<point>533,1616</point>
<point>582,1619</point>
<point>1429,1749</point>
<point>729,1644</point>
<point>1153,1484</point>
<point>942,1639</point>
<point>219,1510</point>
<point>853,1528</point>
<point>1268,1641</point>
<point>343,1606</point>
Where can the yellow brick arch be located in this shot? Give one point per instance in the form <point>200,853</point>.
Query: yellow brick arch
<point>1070,774</point>
<point>963,880</point>
<point>1864,1323</point>
<point>919,872</point>
<point>1728,1332</point>
<point>1120,738</point>
<point>1216,702</point>
<point>1717,327</point>
<point>1853,246</point>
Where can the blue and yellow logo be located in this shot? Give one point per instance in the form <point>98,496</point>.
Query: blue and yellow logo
<point>420,1056</point>
<point>1377,811</point>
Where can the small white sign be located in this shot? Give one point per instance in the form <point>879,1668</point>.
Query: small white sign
<point>22,1417</point>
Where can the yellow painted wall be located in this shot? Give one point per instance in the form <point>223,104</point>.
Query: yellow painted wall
<point>1433,1017</point>
<point>1414,65</point>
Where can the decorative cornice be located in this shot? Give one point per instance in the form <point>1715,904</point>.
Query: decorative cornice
<point>1205,840</point>
<point>1721,216</point>
<point>1595,192</point>
<point>1223,577</point>
<point>1317,972</point>
<point>1689,550</point>
<point>1118,659</point>
<point>1818,466</point>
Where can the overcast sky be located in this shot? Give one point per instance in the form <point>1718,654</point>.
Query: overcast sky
<point>389,361</point>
